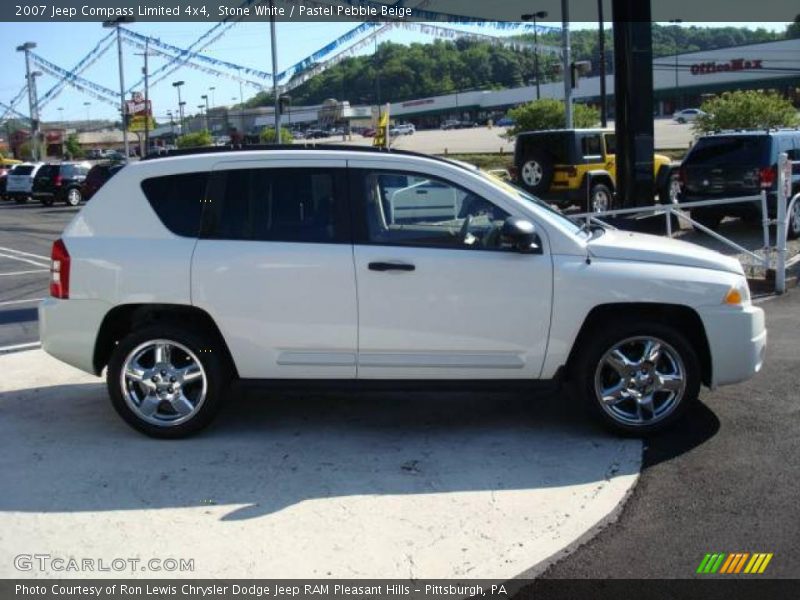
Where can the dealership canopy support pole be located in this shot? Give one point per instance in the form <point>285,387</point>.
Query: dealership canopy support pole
<point>275,74</point>
<point>601,41</point>
<point>123,113</point>
<point>633,96</point>
<point>567,63</point>
<point>146,101</point>
<point>32,109</point>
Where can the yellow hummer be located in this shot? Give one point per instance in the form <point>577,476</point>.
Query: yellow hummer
<point>579,167</point>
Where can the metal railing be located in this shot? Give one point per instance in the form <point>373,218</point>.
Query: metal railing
<point>784,207</point>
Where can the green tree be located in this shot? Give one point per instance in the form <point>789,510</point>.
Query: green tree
<point>73,147</point>
<point>193,140</point>
<point>748,109</point>
<point>267,136</point>
<point>793,30</point>
<point>549,113</point>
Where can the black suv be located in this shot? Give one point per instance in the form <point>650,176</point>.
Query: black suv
<point>60,181</point>
<point>728,165</point>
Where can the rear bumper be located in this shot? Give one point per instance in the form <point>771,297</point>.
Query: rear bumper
<point>737,340</point>
<point>68,330</point>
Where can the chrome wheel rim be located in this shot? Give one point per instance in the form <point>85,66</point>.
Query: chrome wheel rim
<point>532,173</point>
<point>674,190</point>
<point>163,382</point>
<point>74,197</point>
<point>600,201</point>
<point>640,381</point>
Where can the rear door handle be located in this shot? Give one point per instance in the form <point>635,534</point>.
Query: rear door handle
<point>388,266</point>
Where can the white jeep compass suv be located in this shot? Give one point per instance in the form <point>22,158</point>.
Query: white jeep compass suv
<point>371,267</point>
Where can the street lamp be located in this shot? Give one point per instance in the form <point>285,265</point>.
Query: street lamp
<point>205,97</point>
<point>211,89</point>
<point>177,85</point>
<point>61,115</point>
<point>33,111</point>
<point>87,105</point>
<point>676,22</point>
<point>201,107</point>
<point>528,17</point>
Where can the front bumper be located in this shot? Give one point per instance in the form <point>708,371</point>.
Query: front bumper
<point>737,339</point>
<point>68,330</point>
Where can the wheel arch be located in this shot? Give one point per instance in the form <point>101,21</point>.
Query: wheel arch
<point>684,318</point>
<point>123,319</point>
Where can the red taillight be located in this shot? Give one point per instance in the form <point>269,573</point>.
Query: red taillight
<point>59,270</point>
<point>57,180</point>
<point>767,175</point>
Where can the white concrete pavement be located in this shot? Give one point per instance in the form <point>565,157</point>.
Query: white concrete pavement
<point>388,485</point>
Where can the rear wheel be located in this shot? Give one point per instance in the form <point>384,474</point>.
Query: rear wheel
<point>20,199</point>
<point>637,376</point>
<point>536,172</point>
<point>793,217</point>
<point>47,201</point>
<point>73,197</point>
<point>167,382</point>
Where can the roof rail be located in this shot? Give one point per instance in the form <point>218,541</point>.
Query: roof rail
<point>295,148</point>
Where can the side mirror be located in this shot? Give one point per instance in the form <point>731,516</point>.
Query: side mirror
<point>520,235</point>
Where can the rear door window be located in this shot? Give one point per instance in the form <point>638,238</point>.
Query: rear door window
<point>178,200</point>
<point>23,170</point>
<point>305,205</point>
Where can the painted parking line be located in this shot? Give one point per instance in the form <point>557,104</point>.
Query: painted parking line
<point>20,252</point>
<point>26,301</point>
<point>25,260</point>
<point>24,272</point>
<point>20,347</point>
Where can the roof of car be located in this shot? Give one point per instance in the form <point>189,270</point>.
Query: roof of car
<point>754,132</point>
<point>574,130</point>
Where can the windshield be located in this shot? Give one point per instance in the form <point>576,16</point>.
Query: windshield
<point>520,193</point>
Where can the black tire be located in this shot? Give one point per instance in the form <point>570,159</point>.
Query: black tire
<point>602,339</point>
<point>669,192</point>
<point>47,201</point>
<point>207,352</point>
<point>21,199</point>
<point>707,217</point>
<point>537,182</point>
<point>600,194</point>
<point>73,197</point>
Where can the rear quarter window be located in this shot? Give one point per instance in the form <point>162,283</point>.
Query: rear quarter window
<point>23,170</point>
<point>177,200</point>
<point>743,150</point>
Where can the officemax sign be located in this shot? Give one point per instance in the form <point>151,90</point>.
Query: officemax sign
<point>739,64</point>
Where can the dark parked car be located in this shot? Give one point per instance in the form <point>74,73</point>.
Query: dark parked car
<point>96,177</point>
<point>60,182</point>
<point>727,165</point>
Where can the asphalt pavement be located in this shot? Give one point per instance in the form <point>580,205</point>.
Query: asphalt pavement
<point>726,480</point>
<point>27,232</point>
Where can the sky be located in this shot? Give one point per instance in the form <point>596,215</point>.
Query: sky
<point>246,44</point>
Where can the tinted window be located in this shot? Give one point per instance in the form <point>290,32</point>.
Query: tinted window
<point>177,200</point>
<point>591,146</point>
<point>724,151</point>
<point>67,170</point>
<point>287,205</point>
<point>611,144</point>
<point>47,171</point>
<point>417,210</point>
<point>23,170</point>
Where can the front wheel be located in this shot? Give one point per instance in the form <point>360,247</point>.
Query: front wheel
<point>637,377</point>
<point>600,198</point>
<point>167,382</point>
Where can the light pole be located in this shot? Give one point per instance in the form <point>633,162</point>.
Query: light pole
<point>34,75</point>
<point>180,112</point>
<point>177,85</point>
<point>201,107</point>
<point>61,115</point>
<point>275,72</point>
<point>87,105</point>
<point>147,115</point>
<point>534,16</point>
<point>676,22</point>
<point>601,42</point>
<point>115,24</point>
<point>205,97</point>
<point>32,109</point>
<point>211,89</point>
<point>567,64</point>
<point>171,125</point>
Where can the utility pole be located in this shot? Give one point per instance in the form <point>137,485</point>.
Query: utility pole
<point>204,97</point>
<point>567,63</point>
<point>115,23</point>
<point>676,23</point>
<point>32,109</point>
<point>146,72</point>
<point>534,16</point>
<point>601,42</point>
<point>275,72</point>
<point>177,85</point>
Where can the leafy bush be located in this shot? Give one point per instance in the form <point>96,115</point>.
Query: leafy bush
<point>193,140</point>
<point>72,147</point>
<point>549,113</point>
<point>746,110</point>
<point>267,136</point>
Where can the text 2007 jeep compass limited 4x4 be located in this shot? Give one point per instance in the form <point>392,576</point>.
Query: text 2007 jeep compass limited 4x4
<point>343,264</point>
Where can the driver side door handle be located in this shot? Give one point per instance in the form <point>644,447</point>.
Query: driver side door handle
<point>389,266</point>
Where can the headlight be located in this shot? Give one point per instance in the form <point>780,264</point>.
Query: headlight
<point>738,295</point>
